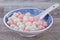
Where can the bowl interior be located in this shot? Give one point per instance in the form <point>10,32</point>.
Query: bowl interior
<point>34,12</point>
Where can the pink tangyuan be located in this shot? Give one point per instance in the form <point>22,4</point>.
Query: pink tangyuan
<point>15,23</point>
<point>27,30</point>
<point>10,22</point>
<point>39,23</point>
<point>20,16</point>
<point>21,20</point>
<point>45,24</point>
<point>41,27</point>
<point>31,19</point>
<point>19,13</point>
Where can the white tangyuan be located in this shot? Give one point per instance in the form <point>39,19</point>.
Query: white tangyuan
<point>26,17</point>
<point>10,18</point>
<point>33,27</point>
<point>15,14</point>
<point>27,14</point>
<point>20,25</point>
<point>28,23</point>
<point>14,27</point>
<point>28,28</point>
<point>16,20</point>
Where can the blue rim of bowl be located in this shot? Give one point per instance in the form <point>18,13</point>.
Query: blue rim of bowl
<point>25,31</point>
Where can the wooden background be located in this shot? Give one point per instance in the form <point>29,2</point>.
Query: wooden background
<point>51,34</point>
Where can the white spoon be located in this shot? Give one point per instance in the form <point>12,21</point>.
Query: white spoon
<point>44,13</point>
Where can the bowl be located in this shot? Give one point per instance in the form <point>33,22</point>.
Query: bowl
<point>34,12</point>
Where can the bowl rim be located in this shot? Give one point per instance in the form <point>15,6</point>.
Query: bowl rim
<point>25,31</point>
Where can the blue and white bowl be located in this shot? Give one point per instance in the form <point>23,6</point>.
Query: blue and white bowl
<point>34,12</point>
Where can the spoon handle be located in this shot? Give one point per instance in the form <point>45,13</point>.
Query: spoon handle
<point>44,13</point>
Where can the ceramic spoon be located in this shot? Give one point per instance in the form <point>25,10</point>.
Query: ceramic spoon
<point>44,13</point>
